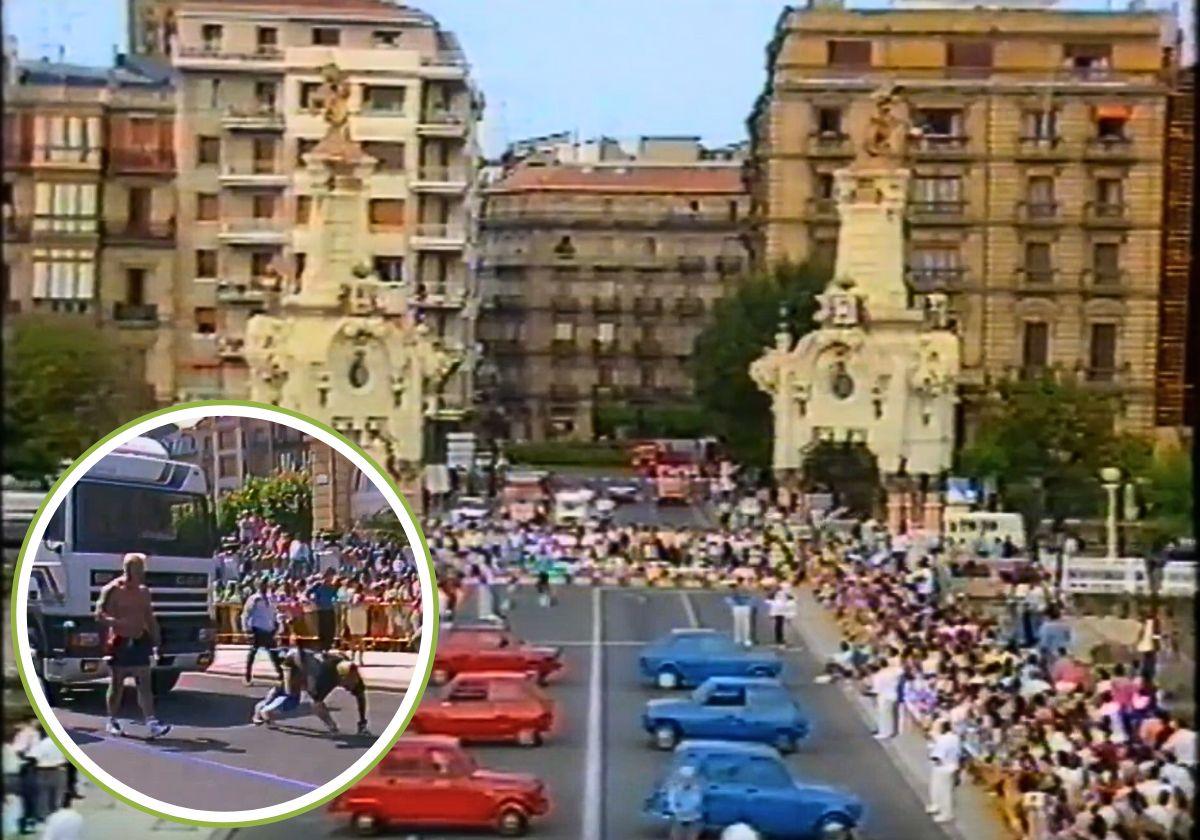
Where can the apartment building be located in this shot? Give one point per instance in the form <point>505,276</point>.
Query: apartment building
<point>249,99</point>
<point>89,216</point>
<point>598,267</point>
<point>1037,174</point>
<point>232,449</point>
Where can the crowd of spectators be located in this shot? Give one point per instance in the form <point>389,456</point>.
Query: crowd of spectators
<point>39,782</point>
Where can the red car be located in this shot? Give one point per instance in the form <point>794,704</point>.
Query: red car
<point>429,781</point>
<point>487,707</point>
<point>475,649</point>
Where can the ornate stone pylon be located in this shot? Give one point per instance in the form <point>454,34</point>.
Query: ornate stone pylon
<point>344,347</point>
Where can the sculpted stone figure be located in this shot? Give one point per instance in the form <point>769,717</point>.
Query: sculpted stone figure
<point>887,132</point>
<point>335,100</point>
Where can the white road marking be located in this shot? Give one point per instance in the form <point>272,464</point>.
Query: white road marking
<point>690,609</point>
<point>593,773</point>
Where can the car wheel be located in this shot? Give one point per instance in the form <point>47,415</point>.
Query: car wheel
<point>512,822</point>
<point>785,742</point>
<point>365,824</point>
<point>668,678</point>
<point>529,738</point>
<point>666,736</point>
<point>835,827</point>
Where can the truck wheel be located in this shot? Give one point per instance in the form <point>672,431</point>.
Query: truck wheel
<point>512,822</point>
<point>666,736</point>
<point>162,682</point>
<point>365,824</point>
<point>668,679</point>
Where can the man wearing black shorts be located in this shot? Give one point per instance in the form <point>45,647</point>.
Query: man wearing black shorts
<point>317,675</point>
<point>124,609</point>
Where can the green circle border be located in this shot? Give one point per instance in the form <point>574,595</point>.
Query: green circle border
<point>426,557</point>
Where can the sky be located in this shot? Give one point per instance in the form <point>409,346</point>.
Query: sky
<point>623,68</point>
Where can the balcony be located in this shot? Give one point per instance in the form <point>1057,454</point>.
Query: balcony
<point>689,307</point>
<point>508,303</point>
<point>444,65</point>
<point>255,232</point>
<point>942,279</point>
<point>605,349</point>
<point>606,305</point>
<point>566,304</point>
<point>940,147</point>
<point>1038,213</point>
<point>1106,214</point>
<point>648,348</point>
<point>149,161</point>
<point>449,180</point>
<point>441,122</point>
<point>563,347</point>
<point>137,315</point>
<point>16,228</point>
<point>438,236</point>
<point>829,144</point>
<point>45,225</point>
<point>215,56</point>
<point>230,348</point>
<point>1034,280</point>
<point>130,232</point>
<point>691,265</point>
<point>944,212</point>
<point>241,293</point>
<point>647,306</point>
<point>258,174</point>
<point>1109,148</point>
<point>66,157</point>
<point>1034,148</point>
<point>264,116</point>
<point>729,265</point>
<point>1104,282</point>
<point>823,209</point>
<point>564,392</point>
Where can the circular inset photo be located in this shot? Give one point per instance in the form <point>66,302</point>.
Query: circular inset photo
<point>224,614</point>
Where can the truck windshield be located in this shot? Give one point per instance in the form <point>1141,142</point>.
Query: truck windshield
<point>118,518</point>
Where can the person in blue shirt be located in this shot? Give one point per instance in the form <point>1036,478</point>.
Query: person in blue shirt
<point>323,594</point>
<point>741,606</point>
<point>685,804</point>
<point>1054,635</point>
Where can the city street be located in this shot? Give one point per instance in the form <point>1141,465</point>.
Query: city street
<point>599,766</point>
<point>215,758</point>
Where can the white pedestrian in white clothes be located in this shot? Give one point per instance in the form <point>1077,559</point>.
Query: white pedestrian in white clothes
<point>944,751</point>
<point>886,685</point>
<point>64,824</point>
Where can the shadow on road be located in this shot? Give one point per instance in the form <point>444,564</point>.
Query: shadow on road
<point>83,735</point>
<point>206,709</point>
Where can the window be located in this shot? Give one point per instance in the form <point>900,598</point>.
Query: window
<point>650,246</point>
<point>1035,346</point>
<point>303,147</point>
<point>564,331</point>
<point>206,320</point>
<point>387,212</point>
<point>378,98</point>
<point>264,95</point>
<point>648,377</point>
<point>262,264</point>
<point>113,518</point>
<point>937,195</point>
<point>824,185</point>
<point>207,207</point>
<point>726,696</point>
<point>211,34</point>
<point>940,122</point>
<point>1106,262</point>
<point>264,154</point>
<point>1110,194</point>
<point>1102,352</point>
<point>65,207</point>
<point>214,94</point>
<point>310,93</point>
<point>206,263</point>
<point>970,54</point>
<point>63,274</point>
<point>934,264</point>
<point>1087,57</point>
<point>390,269</point>
<point>135,286</point>
<point>227,467</point>
<point>389,155</point>
<point>823,253</point>
<point>829,121</point>
<point>208,151</point>
<point>263,206</point>
<point>565,247</point>
<point>848,53</point>
<point>385,38</point>
<point>1039,125</point>
<point>299,261</point>
<point>1038,268</point>
<point>326,36</point>
<point>606,333</point>
<point>1111,122</point>
<point>138,208</point>
<point>267,39</point>
<point>304,204</point>
<point>1039,193</point>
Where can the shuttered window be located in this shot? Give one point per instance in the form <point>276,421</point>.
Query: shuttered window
<point>849,53</point>
<point>1102,355</point>
<point>1035,350</point>
<point>969,54</point>
<point>387,212</point>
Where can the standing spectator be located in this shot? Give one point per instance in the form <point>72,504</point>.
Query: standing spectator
<point>741,607</point>
<point>260,621</point>
<point>886,685</point>
<point>51,774</point>
<point>1053,636</point>
<point>945,752</point>
<point>65,823</point>
<point>323,594</point>
<point>782,608</point>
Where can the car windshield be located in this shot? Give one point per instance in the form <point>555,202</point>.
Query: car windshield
<point>118,518</point>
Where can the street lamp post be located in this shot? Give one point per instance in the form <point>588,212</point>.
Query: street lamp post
<point>1111,476</point>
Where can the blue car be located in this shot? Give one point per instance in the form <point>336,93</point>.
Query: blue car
<point>689,657</point>
<point>749,783</point>
<point>731,709</point>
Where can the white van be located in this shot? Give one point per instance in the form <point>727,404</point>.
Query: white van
<point>970,531</point>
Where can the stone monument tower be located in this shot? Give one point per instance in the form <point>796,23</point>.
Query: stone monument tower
<point>881,368</point>
<point>344,347</point>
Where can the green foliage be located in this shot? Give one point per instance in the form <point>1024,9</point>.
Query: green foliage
<point>567,454</point>
<point>284,498</point>
<point>653,421</point>
<point>742,327</point>
<point>1168,496</point>
<point>847,469</point>
<point>67,384</point>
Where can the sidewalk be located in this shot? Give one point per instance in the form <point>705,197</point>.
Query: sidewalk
<point>975,816</point>
<point>384,671</point>
<point>106,818</point>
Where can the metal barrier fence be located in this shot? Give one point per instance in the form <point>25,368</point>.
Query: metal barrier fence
<point>390,627</point>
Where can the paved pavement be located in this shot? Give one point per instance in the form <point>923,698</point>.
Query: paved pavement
<point>599,767</point>
<point>215,758</point>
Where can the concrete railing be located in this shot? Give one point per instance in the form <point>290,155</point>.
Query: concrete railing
<point>1126,576</point>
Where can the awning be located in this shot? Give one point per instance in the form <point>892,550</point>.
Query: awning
<point>1113,112</point>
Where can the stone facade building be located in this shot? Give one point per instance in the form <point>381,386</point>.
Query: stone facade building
<point>598,268</point>
<point>1037,181</point>
<point>88,203</point>
<point>250,80</point>
<point>231,449</point>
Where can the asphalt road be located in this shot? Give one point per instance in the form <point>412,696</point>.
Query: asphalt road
<point>599,766</point>
<point>214,758</point>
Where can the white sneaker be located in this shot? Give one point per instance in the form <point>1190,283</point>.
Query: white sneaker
<point>158,729</point>
<point>114,728</point>
<point>823,679</point>
<point>931,810</point>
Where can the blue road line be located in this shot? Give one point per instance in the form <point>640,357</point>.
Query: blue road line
<point>258,774</point>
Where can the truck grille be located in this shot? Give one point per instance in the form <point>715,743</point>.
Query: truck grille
<point>171,593</point>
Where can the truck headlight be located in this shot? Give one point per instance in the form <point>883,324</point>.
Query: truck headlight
<point>83,640</point>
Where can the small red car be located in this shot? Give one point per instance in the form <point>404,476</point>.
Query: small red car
<point>429,781</point>
<point>487,707</point>
<point>469,650</point>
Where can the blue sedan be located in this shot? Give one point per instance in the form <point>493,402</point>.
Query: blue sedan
<point>689,657</point>
<point>749,783</point>
<point>732,709</point>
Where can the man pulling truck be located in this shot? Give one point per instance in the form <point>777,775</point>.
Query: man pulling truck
<point>317,675</point>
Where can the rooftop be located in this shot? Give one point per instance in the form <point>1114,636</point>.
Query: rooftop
<point>704,178</point>
<point>130,71</point>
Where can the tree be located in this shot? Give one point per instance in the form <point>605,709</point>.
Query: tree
<point>743,326</point>
<point>67,384</point>
<point>1168,496</point>
<point>284,498</point>
<point>1044,443</point>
